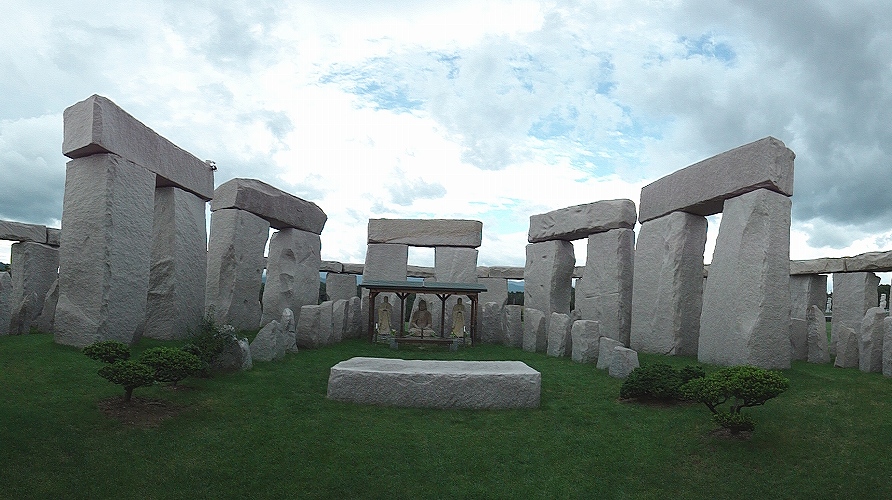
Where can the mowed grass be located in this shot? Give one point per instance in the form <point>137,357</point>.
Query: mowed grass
<point>271,433</point>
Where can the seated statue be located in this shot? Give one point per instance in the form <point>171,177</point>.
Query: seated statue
<point>421,324</point>
<point>384,312</point>
<point>458,319</point>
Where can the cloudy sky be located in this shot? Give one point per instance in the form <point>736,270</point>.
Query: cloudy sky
<point>487,110</point>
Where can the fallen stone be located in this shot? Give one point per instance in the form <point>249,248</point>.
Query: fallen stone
<point>97,125</point>
<point>548,276</point>
<point>292,276</point>
<point>34,271</point>
<point>435,384</point>
<point>426,232</point>
<point>586,337</point>
<point>309,335</point>
<point>622,362</point>
<point>559,341</point>
<point>514,326</point>
<point>870,342</point>
<point>847,349</point>
<point>606,347</point>
<point>340,286</point>
<point>268,343</point>
<point>703,187</point>
<point>817,336</point>
<point>19,231</point>
<point>605,292</point>
<point>535,330</point>
<point>853,295</point>
<point>581,221</point>
<point>281,209</point>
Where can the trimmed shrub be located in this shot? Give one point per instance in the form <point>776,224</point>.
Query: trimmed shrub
<point>108,351</point>
<point>129,374</point>
<point>171,364</point>
<point>210,341</point>
<point>658,381</point>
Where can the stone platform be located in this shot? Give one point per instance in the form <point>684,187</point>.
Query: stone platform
<point>435,384</point>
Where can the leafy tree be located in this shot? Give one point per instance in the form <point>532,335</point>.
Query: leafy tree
<point>740,387</point>
<point>171,364</point>
<point>107,351</point>
<point>129,374</point>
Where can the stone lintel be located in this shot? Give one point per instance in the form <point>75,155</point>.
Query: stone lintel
<point>282,210</point>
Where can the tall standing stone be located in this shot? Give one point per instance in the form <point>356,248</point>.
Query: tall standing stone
<point>668,285</point>
<point>514,326</point>
<point>384,262</point>
<point>292,273</point>
<point>887,347</point>
<point>340,286</point>
<point>535,330</point>
<point>45,322</point>
<point>178,276</point>
<point>817,335</point>
<point>105,252</point>
<point>34,270</point>
<point>455,265</point>
<point>548,276</point>
<point>605,292</point>
<point>354,318</point>
<point>585,335</point>
<point>491,324</point>
<point>746,311</point>
<point>870,341</point>
<point>308,330</point>
<point>807,290</point>
<point>235,267</point>
<point>559,340</point>
<point>853,295</point>
<point>847,349</point>
<point>5,302</point>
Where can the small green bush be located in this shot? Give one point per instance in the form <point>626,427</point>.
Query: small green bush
<point>108,351</point>
<point>171,364</point>
<point>741,387</point>
<point>658,381</point>
<point>210,340</point>
<point>129,374</point>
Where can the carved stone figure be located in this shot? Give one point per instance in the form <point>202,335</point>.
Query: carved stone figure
<point>421,322</point>
<point>385,310</point>
<point>458,319</point>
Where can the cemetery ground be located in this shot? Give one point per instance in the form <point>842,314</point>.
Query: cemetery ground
<point>271,433</point>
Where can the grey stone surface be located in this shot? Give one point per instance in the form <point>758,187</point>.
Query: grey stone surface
<point>53,236</point>
<point>869,261</point>
<point>455,265</point>
<point>357,268</point>
<point>702,187</point>
<point>289,331</point>
<point>514,326</point>
<point>331,266</point>
<point>847,349</point>
<point>236,358</point>
<point>420,272</point>
<point>19,231</point>
<point>668,285</point>
<point>269,344</point>
<point>235,267</point>
<point>46,321</point>
<point>496,291</point>
<point>548,276</point>
<point>505,272</point>
<point>178,276</point>
<point>426,232</point>
<point>605,292</point>
<point>606,346</point>
<point>870,341</point>
<point>292,275</point>
<point>282,210</point>
<point>817,336</point>
<point>97,125</point>
<point>326,322</point>
<point>586,337</point>
<point>385,262</point>
<point>34,271</point>
<point>5,302</point>
<point>817,266</point>
<point>805,291</point>
<point>354,318</point>
<point>798,339</point>
<point>491,322</point>
<point>338,320</point>
<point>435,384</point>
<point>746,303</point>
<point>308,332</point>
<point>105,255</point>
<point>559,341</point>
<point>622,362</point>
<point>535,330</point>
<point>340,286</point>
<point>887,347</point>
<point>853,295</point>
<point>581,221</point>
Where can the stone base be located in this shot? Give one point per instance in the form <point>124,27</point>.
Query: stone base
<point>435,384</point>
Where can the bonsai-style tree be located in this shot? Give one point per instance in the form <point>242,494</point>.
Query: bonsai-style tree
<point>107,351</point>
<point>658,382</point>
<point>129,374</point>
<point>171,364</point>
<point>741,387</point>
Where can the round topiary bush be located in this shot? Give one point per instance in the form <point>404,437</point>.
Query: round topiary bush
<point>107,351</point>
<point>658,381</point>
<point>129,374</point>
<point>171,364</point>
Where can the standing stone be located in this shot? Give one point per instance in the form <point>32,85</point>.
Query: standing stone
<point>340,286</point>
<point>817,336</point>
<point>668,285</point>
<point>605,293</point>
<point>807,290</point>
<point>34,270</point>
<point>746,304</point>
<point>846,349</point>
<point>491,324</point>
<point>559,341</point>
<point>548,276</point>
<point>354,317</point>
<point>308,332</point>
<point>105,256</point>
<point>178,275</point>
<point>268,343</point>
<point>853,295</point>
<point>236,357</point>
<point>289,329</point>
<point>455,265</point>
<point>887,347</point>
<point>496,291</point>
<point>326,322</point>
<point>535,330</point>
<point>5,302</point>
<point>798,339</point>
<point>622,362</point>
<point>292,274</point>
<point>514,326</point>
<point>870,342</point>
<point>585,336</point>
<point>606,346</point>
<point>383,262</point>
<point>45,322</point>
<point>338,320</point>
<point>235,267</point>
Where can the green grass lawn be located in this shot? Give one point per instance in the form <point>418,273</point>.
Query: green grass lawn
<point>270,433</point>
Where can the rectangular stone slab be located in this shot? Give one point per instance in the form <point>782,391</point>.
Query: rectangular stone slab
<point>282,210</point>
<point>19,231</point>
<point>703,187</point>
<point>435,384</point>
<point>97,125</point>
<point>581,221</point>
<point>426,232</point>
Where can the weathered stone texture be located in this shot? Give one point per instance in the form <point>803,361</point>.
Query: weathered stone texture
<point>269,343</point>
<point>97,125</point>
<point>606,347</point>
<point>817,335</point>
<point>702,187</point>
<point>46,321</point>
<point>282,210</point>
<point>817,266</point>
<point>309,334</point>
<point>331,266</point>
<point>340,286</point>
<point>105,254</point>
<point>559,341</point>
<point>548,276</point>
<point>535,330</point>
<point>846,349</point>
<point>236,358</point>
<point>178,276</point>
<point>34,271</point>
<point>455,265</point>
<point>605,292</point>
<point>426,232</point>
<point>338,320</point>
<point>435,384</point>
<point>508,273</point>
<point>581,221</point>
<point>870,341</point>
<point>746,304</point>
<point>887,347</point>
<point>585,336</point>
<point>5,302</point>
<point>354,327</point>
<point>668,285</point>
<point>798,339</point>
<point>496,291</point>
<point>853,295</point>
<point>19,231</point>
<point>289,331</point>
<point>806,291</point>
<point>292,275</point>
<point>513,326</point>
<point>491,321</point>
<point>53,236</point>
<point>622,362</point>
<point>386,262</point>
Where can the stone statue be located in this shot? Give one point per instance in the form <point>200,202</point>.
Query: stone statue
<point>421,323</point>
<point>458,319</point>
<point>384,312</point>
<point>883,301</point>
